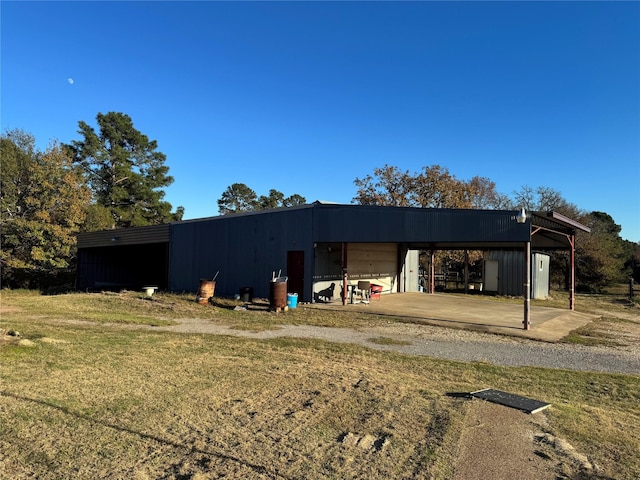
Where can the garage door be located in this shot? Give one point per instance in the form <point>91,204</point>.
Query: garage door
<point>372,260</point>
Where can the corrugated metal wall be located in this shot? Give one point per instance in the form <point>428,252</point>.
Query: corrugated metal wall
<point>126,236</point>
<point>412,271</point>
<point>245,249</point>
<point>540,275</point>
<point>511,273</point>
<point>356,223</point>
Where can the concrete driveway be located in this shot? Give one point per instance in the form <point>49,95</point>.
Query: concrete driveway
<point>473,313</point>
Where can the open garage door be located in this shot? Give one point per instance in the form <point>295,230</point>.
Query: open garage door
<point>123,267</point>
<point>377,262</point>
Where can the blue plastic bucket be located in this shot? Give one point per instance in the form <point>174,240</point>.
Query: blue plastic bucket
<point>292,300</point>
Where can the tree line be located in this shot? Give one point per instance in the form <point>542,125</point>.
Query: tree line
<point>115,177</point>
<point>238,197</point>
<point>602,256</point>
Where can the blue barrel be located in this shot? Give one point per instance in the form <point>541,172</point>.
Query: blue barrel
<point>292,300</point>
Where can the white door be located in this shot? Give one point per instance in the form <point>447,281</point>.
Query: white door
<point>491,275</point>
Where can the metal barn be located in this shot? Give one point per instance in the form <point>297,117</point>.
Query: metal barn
<point>321,248</point>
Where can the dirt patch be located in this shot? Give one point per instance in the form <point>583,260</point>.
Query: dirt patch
<point>499,442</point>
<point>365,442</point>
<point>502,442</point>
<point>9,309</point>
<point>11,337</point>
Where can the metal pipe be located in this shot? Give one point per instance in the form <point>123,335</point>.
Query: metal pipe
<point>527,286</point>
<point>400,269</point>
<point>344,274</point>
<point>432,272</point>
<point>572,273</point>
<point>403,255</point>
<point>466,271</point>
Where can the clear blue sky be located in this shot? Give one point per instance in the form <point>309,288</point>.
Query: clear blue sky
<point>305,97</point>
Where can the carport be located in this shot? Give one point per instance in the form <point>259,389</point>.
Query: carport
<point>483,230</point>
<point>473,312</point>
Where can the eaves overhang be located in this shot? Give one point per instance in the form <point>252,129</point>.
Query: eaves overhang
<point>126,236</point>
<point>553,231</point>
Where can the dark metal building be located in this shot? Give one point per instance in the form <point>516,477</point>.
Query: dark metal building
<point>504,271</point>
<point>314,245</point>
<point>125,258</point>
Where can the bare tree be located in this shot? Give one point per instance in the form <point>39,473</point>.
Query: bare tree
<point>485,196</point>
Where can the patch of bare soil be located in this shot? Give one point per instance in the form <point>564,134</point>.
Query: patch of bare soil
<point>501,442</point>
<point>8,309</point>
<point>9,336</point>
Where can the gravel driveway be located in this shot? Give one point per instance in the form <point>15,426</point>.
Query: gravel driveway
<point>450,344</point>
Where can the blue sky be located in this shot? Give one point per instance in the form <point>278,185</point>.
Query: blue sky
<point>305,97</point>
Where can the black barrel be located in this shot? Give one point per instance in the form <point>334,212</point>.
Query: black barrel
<point>246,294</point>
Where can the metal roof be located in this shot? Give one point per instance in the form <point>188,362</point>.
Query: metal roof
<point>437,228</point>
<point>427,228</point>
<point>552,230</point>
<point>126,236</point>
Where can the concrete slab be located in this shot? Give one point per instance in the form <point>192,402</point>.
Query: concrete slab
<point>473,313</point>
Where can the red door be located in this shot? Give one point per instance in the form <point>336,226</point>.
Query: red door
<point>295,272</point>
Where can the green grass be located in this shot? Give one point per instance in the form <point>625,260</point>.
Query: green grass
<point>607,331</point>
<point>129,307</point>
<point>90,400</point>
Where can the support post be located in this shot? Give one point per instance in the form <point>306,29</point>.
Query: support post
<point>527,286</point>
<point>466,271</point>
<point>432,272</point>
<point>402,264</point>
<point>572,273</point>
<point>345,291</point>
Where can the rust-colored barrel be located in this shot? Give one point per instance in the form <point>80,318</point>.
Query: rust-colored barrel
<point>278,294</point>
<point>205,292</point>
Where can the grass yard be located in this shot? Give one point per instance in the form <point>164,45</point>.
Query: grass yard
<point>111,400</point>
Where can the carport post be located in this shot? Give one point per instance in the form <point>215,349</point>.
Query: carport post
<point>432,272</point>
<point>572,279</point>
<point>345,290</point>
<point>527,285</point>
<point>466,271</point>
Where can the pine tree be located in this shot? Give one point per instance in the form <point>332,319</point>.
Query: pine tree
<point>126,173</point>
